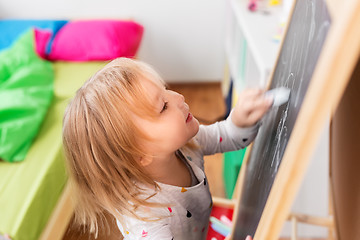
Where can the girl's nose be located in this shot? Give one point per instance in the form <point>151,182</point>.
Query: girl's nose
<point>180,101</point>
<point>182,97</point>
<point>179,96</point>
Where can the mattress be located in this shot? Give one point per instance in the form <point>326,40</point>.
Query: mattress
<point>29,190</point>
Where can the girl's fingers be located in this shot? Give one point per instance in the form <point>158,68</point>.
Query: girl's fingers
<point>252,93</point>
<point>251,106</point>
<point>263,102</point>
<point>254,117</point>
<point>258,111</point>
<point>258,104</point>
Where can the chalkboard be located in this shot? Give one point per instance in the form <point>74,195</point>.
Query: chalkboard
<point>301,47</point>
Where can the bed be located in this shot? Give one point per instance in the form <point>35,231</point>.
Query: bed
<point>34,196</point>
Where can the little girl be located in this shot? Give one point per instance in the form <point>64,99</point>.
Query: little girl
<point>134,150</point>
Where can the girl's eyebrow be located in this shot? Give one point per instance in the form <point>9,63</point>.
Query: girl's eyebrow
<point>158,97</point>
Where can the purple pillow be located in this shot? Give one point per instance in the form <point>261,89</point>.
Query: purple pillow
<point>96,40</point>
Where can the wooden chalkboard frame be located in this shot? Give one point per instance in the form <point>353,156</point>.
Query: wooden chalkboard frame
<point>330,78</point>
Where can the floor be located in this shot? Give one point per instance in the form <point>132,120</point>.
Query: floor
<point>207,105</point>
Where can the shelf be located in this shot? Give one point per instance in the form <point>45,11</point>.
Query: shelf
<point>250,44</point>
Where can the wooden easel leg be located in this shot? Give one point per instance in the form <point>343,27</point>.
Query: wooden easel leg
<point>294,228</point>
<point>332,229</point>
<point>327,222</point>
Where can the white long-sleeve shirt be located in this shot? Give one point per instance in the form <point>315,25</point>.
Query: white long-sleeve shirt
<point>186,216</point>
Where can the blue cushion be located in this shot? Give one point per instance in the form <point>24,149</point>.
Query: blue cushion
<point>12,29</point>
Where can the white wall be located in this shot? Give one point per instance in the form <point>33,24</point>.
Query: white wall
<point>183,39</point>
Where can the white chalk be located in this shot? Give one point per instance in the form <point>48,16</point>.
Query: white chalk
<point>280,95</point>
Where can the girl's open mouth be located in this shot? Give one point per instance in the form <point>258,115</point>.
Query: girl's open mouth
<point>189,117</point>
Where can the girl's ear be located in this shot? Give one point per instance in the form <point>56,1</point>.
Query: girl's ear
<point>145,161</point>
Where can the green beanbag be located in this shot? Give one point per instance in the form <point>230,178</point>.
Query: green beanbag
<point>26,91</point>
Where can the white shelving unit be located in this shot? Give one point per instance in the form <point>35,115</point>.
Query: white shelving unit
<point>250,45</point>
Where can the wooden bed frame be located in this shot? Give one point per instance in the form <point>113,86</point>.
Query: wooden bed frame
<point>60,218</point>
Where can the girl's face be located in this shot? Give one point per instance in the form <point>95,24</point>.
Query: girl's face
<point>173,125</point>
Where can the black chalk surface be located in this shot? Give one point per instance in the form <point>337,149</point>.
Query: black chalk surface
<point>308,27</point>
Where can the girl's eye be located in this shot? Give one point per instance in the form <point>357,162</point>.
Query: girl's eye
<point>164,107</point>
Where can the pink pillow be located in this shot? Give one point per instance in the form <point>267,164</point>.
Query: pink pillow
<point>96,40</point>
<point>42,38</point>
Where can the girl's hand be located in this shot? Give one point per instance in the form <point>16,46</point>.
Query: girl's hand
<point>248,238</point>
<point>250,108</point>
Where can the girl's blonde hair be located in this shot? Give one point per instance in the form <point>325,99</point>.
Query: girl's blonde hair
<point>101,142</point>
